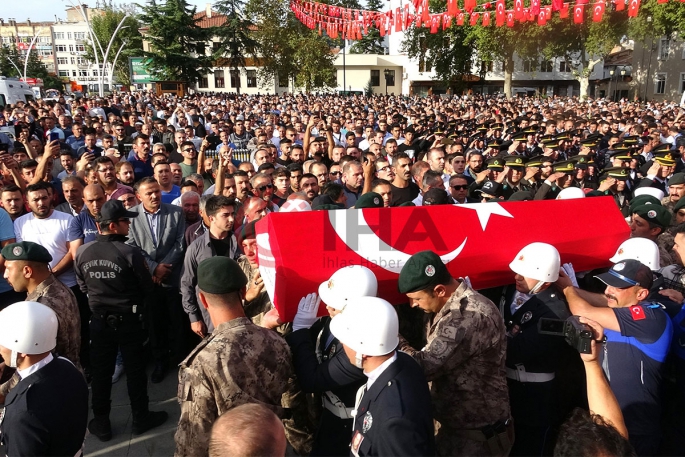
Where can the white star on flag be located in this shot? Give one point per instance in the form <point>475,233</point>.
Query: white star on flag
<point>485,210</point>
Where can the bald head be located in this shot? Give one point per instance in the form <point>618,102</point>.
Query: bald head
<point>247,430</point>
<point>94,198</point>
<point>255,208</point>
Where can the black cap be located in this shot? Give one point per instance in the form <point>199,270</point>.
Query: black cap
<point>113,210</point>
<point>491,188</point>
<point>26,250</point>
<point>220,275</point>
<point>435,197</point>
<point>623,274</point>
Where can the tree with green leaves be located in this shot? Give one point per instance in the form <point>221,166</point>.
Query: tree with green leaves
<point>177,42</point>
<point>236,36</point>
<point>128,42</point>
<point>9,55</point>
<point>290,51</point>
<point>372,42</point>
<point>658,19</point>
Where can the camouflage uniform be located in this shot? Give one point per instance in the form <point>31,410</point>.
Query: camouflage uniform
<point>665,242</point>
<point>58,297</point>
<point>238,363</point>
<point>261,305</point>
<point>464,360</point>
<point>669,205</point>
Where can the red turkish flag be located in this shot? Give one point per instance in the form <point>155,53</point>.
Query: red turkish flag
<point>563,12</point>
<point>510,18</point>
<point>452,8</point>
<point>435,22</point>
<point>469,5</point>
<point>500,14</point>
<point>294,262</point>
<point>518,9</point>
<point>633,8</point>
<point>474,18</point>
<point>557,4</point>
<point>535,7</point>
<point>637,313</point>
<point>399,20</point>
<point>620,5</point>
<point>460,19</point>
<point>486,19</point>
<point>446,21</point>
<point>598,12</point>
<point>542,17</point>
<point>425,15</point>
<point>578,12</point>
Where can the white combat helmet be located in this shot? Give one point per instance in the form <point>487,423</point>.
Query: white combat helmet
<point>28,327</point>
<point>653,191</point>
<point>642,249</point>
<point>570,193</point>
<point>539,261</point>
<point>348,284</point>
<point>368,326</point>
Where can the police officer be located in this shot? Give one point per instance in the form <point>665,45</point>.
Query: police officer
<point>323,367</point>
<point>533,358</point>
<point>464,358</point>
<point>392,415</point>
<point>47,411</point>
<point>116,279</point>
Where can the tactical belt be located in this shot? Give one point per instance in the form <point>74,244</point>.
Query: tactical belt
<point>520,374</point>
<point>332,403</point>
<point>498,436</point>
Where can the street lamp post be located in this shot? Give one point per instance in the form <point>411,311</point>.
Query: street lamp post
<point>386,72</point>
<point>611,78</point>
<point>15,66</point>
<point>623,74</point>
<point>28,52</point>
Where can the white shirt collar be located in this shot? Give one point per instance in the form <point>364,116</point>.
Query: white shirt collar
<point>26,372</point>
<point>375,373</point>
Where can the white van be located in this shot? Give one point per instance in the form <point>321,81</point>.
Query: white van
<point>12,91</point>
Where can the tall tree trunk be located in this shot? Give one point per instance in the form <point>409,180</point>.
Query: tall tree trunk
<point>508,73</point>
<point>584,87</point>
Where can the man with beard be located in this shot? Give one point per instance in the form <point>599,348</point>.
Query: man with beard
<point>124,173</point>
<point>141,158</point>
<point>12,201</point>
<point>264,189</point>
<point>309,185</point>
<point>475,163</point>
<point>218,240</point>
<point>404,189</point>
<point>242,185</point>
<point>72,187</point>
<point>107,177</point>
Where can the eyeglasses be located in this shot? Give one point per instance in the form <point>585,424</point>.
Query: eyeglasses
<point>464,187</point>
<point>189,150</point>
<point>264,187</point>
<point>336,173</point>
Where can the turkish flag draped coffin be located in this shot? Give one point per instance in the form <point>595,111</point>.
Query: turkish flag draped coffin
<point>299,251</point>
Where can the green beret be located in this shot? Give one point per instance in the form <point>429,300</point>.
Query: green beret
<point>643,200</point>
<point>680,205</point>
<point>655,214</point>
<point>422,271</point>
<point>369,200</point>
<point>325,206</point>
<point>220,275</point>
<point>26,250</point>
<point>677,178</point>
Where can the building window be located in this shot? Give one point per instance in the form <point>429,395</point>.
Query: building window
<point>660,83</point>
<point>528,66</point>
<point>235,78</point>
<point>61,48</point>
<point>68,35</point>
<point>664,47</point>
<point>58,35</point>
<point>83,73</point>
<point>546,66</point>
<point>219,79</point>
<point>204,82</point>
<point>682,83</point>
<point>71,48</point>
<point>62,61</point>
<point>282,80</point>
<point>375,78</point>
<point>80,35</point>
<point>389,78</point>
<point>200,49</point>
<point>251,78</point>
<point>80,48</point>
<point>63,73</point>
<point>215,46</point>
<point>81,61</point>
<point>564,67</point>
<point>73,73</point>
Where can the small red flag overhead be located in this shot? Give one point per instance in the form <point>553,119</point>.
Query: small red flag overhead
<point>510,18</point>
<point>469,5</point>
<point>597,12</point>
<point>435,22</point>
<point>620,5</point>
<point>399,20</point>
<point>452,8</point>
<point>474,18</point>
<point>535,7</point>
<point>578,12</point>
<point>563,12</point>
<point>446,21</point>
<point>557,4</point>
<point>518,9</point>
<point>425,15</point>
<point>633,8</point>
<point>460,19</point>
<point>486,19</point>
<point>542,17</point>
<point>500,14</point>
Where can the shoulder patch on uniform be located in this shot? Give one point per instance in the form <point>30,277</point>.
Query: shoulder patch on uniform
<point>637,313</point>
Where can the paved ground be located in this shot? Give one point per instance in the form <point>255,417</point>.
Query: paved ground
<point>156,442</point>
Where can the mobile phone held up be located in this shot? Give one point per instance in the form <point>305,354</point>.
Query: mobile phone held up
<point>53,136</point>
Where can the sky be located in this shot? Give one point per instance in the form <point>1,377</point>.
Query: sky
<point>45,10</point>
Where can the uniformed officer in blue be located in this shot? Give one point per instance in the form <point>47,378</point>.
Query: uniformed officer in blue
<point>638,337</point>
<point>533,358</point>
<point>392,413</point>
<point>116,279</point>
<point>47,411</point>
<point>320,362</point>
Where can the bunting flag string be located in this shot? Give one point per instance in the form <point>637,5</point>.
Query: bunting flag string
<point>352,24</point>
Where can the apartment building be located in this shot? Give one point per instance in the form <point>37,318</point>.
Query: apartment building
<point>659,63</point>
<point>21,34</point>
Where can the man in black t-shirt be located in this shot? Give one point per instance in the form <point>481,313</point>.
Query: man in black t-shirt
<point>403,188</point>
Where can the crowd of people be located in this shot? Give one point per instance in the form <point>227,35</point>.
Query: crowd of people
<point>129,239</point>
